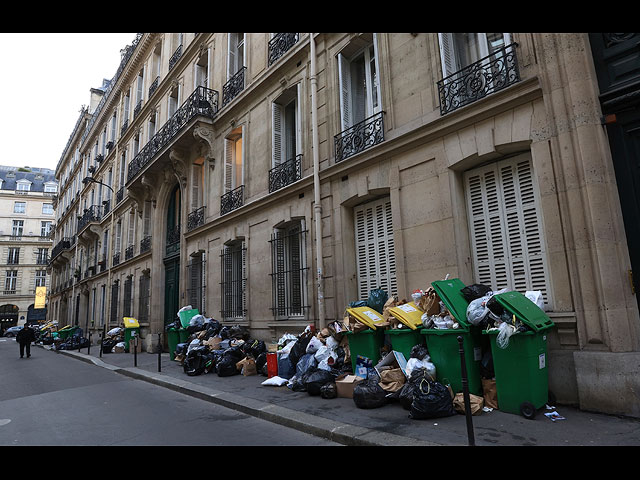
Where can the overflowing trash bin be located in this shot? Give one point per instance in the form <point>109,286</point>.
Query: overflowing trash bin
<point>519,349</point>
<point>442,340</point>
<point>131,330</point>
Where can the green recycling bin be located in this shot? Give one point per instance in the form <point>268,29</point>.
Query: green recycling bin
<point>366,343</point>
<point>404,339</point>
<point>443,345</point>
<point>67,332</point>
<point>131,330</point>
<point>183,335</point>
<point>521,368</point>
<point>186,316</point>
<point>173,338</point>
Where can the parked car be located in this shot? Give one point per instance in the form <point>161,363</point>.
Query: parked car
<point>13,331</point>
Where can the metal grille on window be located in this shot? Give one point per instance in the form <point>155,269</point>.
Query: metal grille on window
<point>144,298</point>
<point>289,270</point>
<point>115,290</point>
<point>234,281</point>
<point>128,287</point>
<point>196,289</point>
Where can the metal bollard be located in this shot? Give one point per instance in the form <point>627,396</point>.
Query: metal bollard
<point>465,392</point>
<point>135,349</point>
<point>89,346</point>
<point>102,335</point>
<point>159,352</point>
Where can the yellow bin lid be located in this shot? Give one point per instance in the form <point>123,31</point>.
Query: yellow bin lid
<point>130,322</point>
<point>409,314</point>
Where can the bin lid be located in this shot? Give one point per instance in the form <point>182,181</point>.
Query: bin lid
<point>367,315</point>
<point>449,293</point>
<point>525,310</point>
<point>130,322</point>
<point>409,314</point>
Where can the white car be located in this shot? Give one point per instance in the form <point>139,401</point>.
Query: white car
<point>13,331</point>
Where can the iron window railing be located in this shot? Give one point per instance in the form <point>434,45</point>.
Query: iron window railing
<point>115,291</point>
<point>232,200</point>
<point>145,244</point>
<point>285,173</point>
<point>91,214</point>
<point>128,252</point>
<point>154,86</point>
<point>289,272</point>
<point>196,286</point>
<point>175,57</point>
<point>202,101</point>
<point>359,137</point>
<point>280,44</point>
<point>233,87</point>
<point>195,219</point>
<point>116,259</point>
<point>173,239</point>
<point>484,77</point>
<point>233,282</point>
<point>144,301</point>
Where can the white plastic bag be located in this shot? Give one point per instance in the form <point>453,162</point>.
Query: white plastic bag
<point>414,363</point>
<point>314,344</point>
<point>506,330</point>
<point>477,310</point>
<point>194,343</point>
<point>275,381</point>
<point>536,297</point>
<point>427,320</point>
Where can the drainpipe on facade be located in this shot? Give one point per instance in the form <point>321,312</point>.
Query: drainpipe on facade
<point>317,207</point>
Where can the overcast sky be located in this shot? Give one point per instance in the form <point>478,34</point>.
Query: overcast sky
<point>45,79</point>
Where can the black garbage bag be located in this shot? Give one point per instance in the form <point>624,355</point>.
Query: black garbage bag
<point>239,332</point>
<point>472,292</point>
<point>299,348</point>
<point>261,361</point>
<point>175,325</point>
<point>315,378</point>
<point>196,360</point>
<point>368,394</point>
<point>107,345</point>
<point>358,303</point>
<point>377,299</point>
<point>329,390</point>
<point>419,351</point>
<point>213,327</point>
<point>224,332</point>
<point>254,348</point>
<point>226,367</point>
<point>494,306</point>
<point>431,399</point>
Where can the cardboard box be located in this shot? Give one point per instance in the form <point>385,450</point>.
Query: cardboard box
<point>132,346</point>
<point>345,385</point>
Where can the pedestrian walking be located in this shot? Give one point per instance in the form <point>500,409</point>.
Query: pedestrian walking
<point>24,338</point>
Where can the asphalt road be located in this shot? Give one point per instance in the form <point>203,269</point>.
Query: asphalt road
<point>51,399</point>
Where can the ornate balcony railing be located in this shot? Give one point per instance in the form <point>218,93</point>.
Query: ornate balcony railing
<point>124,127</point>
<point>285,173</point>
<point>195,219</point>
<point>63,244</point>
<point>106,207</point>
<point>233,87</point>
<point>175,57</point>
<point>202,101</point>
<point>486,76</point>
<point>231,200</point>
<point>173,239</point>
<point>137,109</point>
<point>128,252</point>
<point>359,137</point>
<point>154,86</point>
<point>116,259</point>
<point>145,244</point>
<point>119,195</point>
<point>280,44</point>
<point>91,214</point>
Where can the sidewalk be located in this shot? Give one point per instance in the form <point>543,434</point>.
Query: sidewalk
<point>339,419</point>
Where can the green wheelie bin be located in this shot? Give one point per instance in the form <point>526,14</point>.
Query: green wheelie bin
<point>443,345</point>
<point>521,368</point>
<point>366,343</point>
<point>404,339</point>
<point>173,338</point>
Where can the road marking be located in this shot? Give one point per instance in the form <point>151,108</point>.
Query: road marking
<point>4,421</point>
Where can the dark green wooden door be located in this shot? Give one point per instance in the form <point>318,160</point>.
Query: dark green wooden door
<point>171,290</point>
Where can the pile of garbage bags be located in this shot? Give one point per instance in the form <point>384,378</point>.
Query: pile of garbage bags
<point>113,341</point>
<point>75,341</point>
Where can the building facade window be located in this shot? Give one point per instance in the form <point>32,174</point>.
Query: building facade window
<point>196,274</point>
<point>20,207</point>
<point>289,270</point>
<point>41,278</point>
<point>14,256</point>
<point>505,224</point>
<point>233,281</point>
<point>144,298</point>
<point>17,227</point>
<point>10,281</point>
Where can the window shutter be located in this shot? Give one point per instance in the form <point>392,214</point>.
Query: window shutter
<point>375,250</point>
<point>277,117</point>
<point>506,228</point>
<point>344,74</point>
<point>195,186</point>
<point>447,54</point>
<point>228,164</point>
<point>243,280</point>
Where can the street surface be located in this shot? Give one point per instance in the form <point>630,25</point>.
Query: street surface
<point>52,399</point>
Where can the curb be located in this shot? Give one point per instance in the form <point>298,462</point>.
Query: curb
<point>343,433</point>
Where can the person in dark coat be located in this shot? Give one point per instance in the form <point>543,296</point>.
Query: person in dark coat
<point>24,338</point>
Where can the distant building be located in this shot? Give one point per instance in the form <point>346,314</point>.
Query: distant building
<point>27,197</point>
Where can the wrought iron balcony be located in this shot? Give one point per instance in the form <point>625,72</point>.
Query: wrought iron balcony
<point>202,101</point>
<point>361,136</point>
<point>119,195</point>
<point>154,86</point>
<point>232,200</point>
<point>106,207</point>
<point>116,259</point>
<point>173,240</point>
<point>91,214</point>
<point>484,77</point>
<point>233,87</point>
<point>195,219</point>
<point>175,57</point>
<point>125,125</point>
<point>128,252</point>
<point>137,109</point>
<point>280,44</point>
<point>145,244</point>
<point>285,173</point>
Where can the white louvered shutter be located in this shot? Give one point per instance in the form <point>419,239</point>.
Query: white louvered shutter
<point>506,229</point>
<point>375,251</point>
<point>228,164</point>
<point>195,186</point>
<point>447,54</point>
<point>344,74</point>
<point>278,127</point>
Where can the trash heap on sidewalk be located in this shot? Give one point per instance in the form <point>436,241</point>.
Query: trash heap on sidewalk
<point>387,350</point>
<point>68,338</point>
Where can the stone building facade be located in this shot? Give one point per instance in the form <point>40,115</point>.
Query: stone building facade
<point>27,196</point>
<point>270,179</point>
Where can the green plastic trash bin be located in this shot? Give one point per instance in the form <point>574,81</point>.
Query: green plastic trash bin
<point>183,335</point>
<point>186,316</point>
<point>366,343</point>
<point>173,338</point>
<point>521,368</point>
<point>404,339</point>
<point>443,345</point>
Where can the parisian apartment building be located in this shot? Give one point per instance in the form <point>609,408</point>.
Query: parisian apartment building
<point>270,179</point>
<point>27,196</point>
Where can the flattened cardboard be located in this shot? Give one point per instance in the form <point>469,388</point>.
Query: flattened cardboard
<point>345,385</point>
